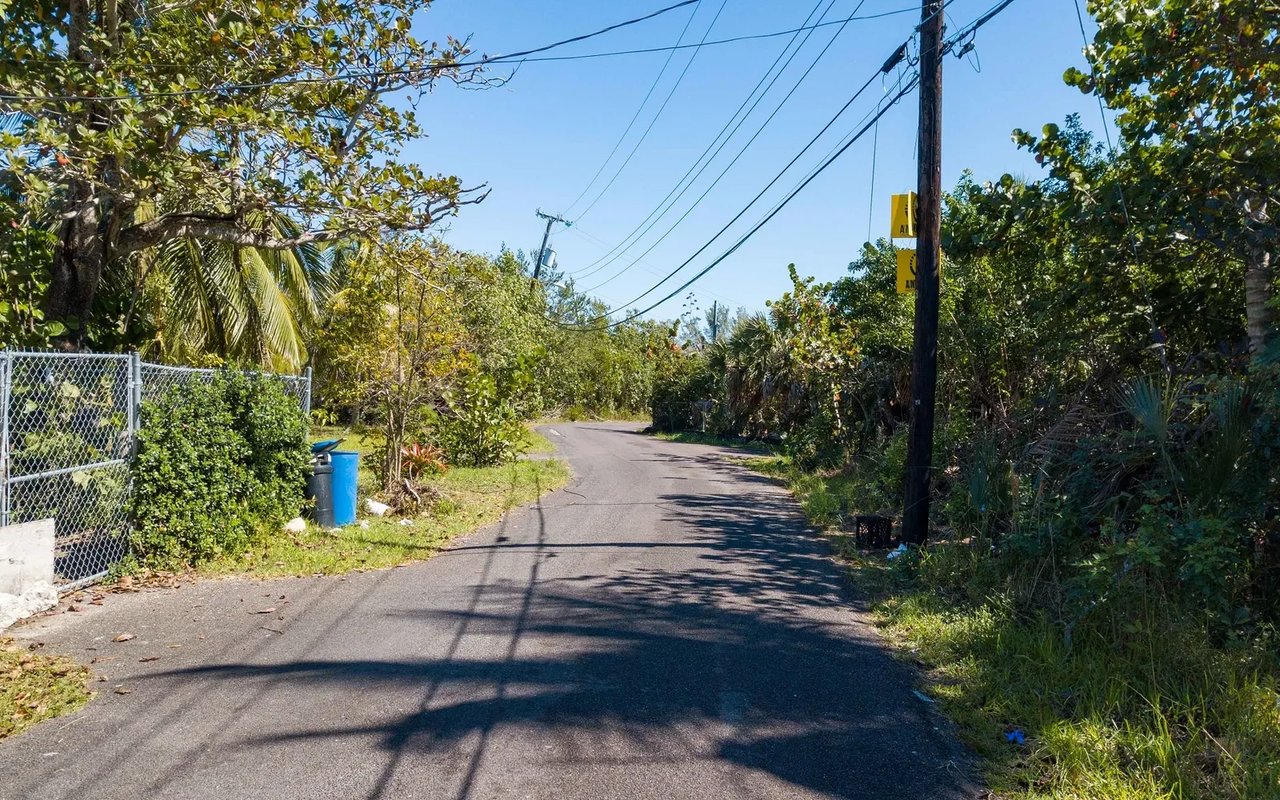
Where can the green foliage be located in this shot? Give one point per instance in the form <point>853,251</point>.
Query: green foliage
<point>480,427</point>
<point>681,382</point>
<point>422,460</point>
<point>219,465</point>
<point>466,498</point>
<point>212,123</point>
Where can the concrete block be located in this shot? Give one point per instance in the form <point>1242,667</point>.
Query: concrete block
<point>26,556</point>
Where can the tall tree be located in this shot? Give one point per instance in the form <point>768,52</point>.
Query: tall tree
<point>216,113</point>
<point>1197,87</point>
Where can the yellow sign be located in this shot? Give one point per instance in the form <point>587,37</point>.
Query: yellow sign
<point>904,216</point>
<point>906,271</point>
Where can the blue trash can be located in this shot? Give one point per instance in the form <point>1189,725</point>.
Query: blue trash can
<point>346,469</point>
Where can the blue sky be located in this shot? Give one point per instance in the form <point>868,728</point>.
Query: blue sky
<point>538,140</point>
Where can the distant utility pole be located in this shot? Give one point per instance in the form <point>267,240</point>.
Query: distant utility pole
<point>924,356</point>
<point>715,320</point>
<point>542,251</point>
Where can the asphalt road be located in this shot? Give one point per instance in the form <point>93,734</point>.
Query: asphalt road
<point>666,627</point>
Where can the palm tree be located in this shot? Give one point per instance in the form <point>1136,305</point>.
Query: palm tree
<point>240,304</point>
<point>756,371</point>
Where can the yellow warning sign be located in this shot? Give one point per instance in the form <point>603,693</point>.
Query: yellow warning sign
<point>904,216</point>
<point>906,271</point>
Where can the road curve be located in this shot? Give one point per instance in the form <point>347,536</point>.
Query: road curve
<point>666,627</point>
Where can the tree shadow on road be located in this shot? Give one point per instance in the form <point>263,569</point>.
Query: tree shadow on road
<point>751,657</point>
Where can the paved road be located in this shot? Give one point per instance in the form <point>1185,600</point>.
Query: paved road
<point>663,628</point>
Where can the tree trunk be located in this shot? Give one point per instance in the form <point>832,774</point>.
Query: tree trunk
<point>1259,281</point>
<point>78,263</point>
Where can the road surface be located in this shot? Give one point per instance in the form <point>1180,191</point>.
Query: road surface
<point>666,627</point>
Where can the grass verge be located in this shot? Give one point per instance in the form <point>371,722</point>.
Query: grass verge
<point>35,687</point>
<point>464,499</point>
<point>1131,701</point>
<point>694,437</point>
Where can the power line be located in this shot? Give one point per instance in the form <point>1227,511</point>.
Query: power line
<point>703,160</point>
<point>365,75</point>
<point>742,151</point>
<point>680,188</point>
<point>768,218</point>
<point>635,117</point>
<point>754,200</point>
<point>426,70</point>
<point>893,60</point>
<point>731,40</point>
<point>657,116</point>
<point>647,266</point>
<point>946,47</point>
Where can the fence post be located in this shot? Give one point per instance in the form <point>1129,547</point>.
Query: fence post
<point>135,397</point>
<point>306,398</point>
<point>6,389</point>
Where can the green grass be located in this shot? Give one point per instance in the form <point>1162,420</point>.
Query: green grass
<point>694,437</point>
<point>1135,703</point>
<point>583,415</point>
<point>536,443</point>
<point>464,499</point>
<point>36,687</point>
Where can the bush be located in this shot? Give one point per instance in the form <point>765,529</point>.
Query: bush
<point>482,428</point>
<point>681,382</point>
<point>218,464</point>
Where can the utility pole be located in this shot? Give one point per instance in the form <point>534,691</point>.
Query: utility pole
<point>715,320</point>
<point>542,251</point>
<point>924,355</point>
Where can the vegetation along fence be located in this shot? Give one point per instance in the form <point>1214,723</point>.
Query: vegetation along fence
<point>68,425</point>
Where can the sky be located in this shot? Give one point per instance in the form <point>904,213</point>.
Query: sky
<point>538,140</point>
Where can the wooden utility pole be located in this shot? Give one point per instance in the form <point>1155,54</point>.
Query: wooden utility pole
<point>542,251</point>
<point>924,355</point>
<point>715,321</point>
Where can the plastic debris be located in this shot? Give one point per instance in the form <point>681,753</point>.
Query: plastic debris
<point>40,597</point>
<point>375,508</point>
<point>1016,736</point>
<point>898,553</point>
<point>923,697</point>
<point>296,525</point>
<point>406,522</point>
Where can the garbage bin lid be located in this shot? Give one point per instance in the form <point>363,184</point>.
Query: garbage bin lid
<point>325,446</point>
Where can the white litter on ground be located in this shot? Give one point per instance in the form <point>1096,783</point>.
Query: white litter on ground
<point>13,607</point>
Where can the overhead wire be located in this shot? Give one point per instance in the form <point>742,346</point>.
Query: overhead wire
<point>647,266</point>
<point>770,185</point>
<point>742,151</point>
<point>678,191</point>
<point>945,47</point>
<point>635,117</point>
<point>429,69</point>
<point>1157,341</point>
<point>520,56</point>
<point>777,209</point>
<point>726,132</point>
<point>656,117</point>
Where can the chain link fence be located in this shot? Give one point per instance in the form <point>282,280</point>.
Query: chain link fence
<point>68,423</point>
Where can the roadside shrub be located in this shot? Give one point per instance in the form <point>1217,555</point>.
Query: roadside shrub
<point>218,464</point>
<point>481,428</point>
<point>419,459</point>
<point>682,381</point>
